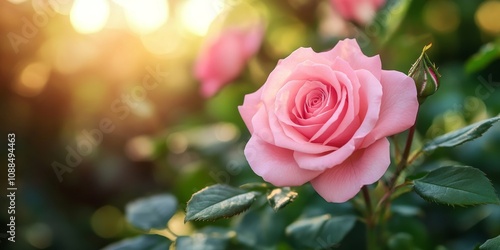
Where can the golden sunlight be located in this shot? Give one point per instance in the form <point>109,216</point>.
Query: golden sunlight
<point>197,15</point>
<point>145,16</point>
<point>89,16</point>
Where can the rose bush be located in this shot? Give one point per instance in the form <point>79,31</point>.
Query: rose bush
<point>223,57</point>
<point>361,11</point>
<point>324,117</point>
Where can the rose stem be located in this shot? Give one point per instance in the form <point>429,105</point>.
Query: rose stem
<point>371,233</point>
<point>368,201</point>
<point>404,159</point>
<point>385,201</point>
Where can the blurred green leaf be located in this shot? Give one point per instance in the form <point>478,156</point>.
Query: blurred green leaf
<point>460,136</point>
<point>280,197</point>
<point>151,212</point>
<point>389,18</point>
<point>456,185</point>
<point>487,54</point>
<point>320,232</point>
<point>218,232</point>
<point>218,201</point>
<point>256,186</point>
<point>491,244</point>
<point>143,242</point>
<point>401,241</point>
<point>260,228</point>
<point>200,241</point>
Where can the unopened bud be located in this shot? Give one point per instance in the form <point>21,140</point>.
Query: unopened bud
<point>425,75</point>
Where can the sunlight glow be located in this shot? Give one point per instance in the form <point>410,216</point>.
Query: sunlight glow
<point>145,16</point>
<point>89,16</point>
<point>32,79</point>
<point>197,15</point>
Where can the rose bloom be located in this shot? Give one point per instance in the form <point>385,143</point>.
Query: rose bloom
<point>361,11</point>
<point>223,57</point>
<point>324,117</point>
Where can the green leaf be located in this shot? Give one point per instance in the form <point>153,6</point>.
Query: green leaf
<point>200,241</point>
<point>218,232</point>
<point>460,136</point>
<point>260,228</point>
<point>491,244</point>
<point>456,185</point>
<point>256,186</point>
<point>487,54</point>
<point>151,212</point>
<point>218,201</point>
<point>401,241</point>
<point>280,197</point>
<point>320,232</point>
<point>143,242</point>
<point>388,19</point>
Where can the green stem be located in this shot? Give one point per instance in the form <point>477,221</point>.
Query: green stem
<point>372,238</point>
<point>385,202</point>
<point>368,202</point>
<point>404,159</point>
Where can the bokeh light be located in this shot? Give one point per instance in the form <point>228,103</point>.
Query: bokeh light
<point>39,235</point>
<point>17,1</point>
<point>488,16</point>
<point>197,15</point>
<point>107,221</point>
<point>32,79</point>
<point>145,16</point>
<point>442,15</point>
<point>89,16</point>
<point>139,148</point>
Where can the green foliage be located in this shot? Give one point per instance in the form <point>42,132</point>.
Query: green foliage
<point>320,232</point>
<point>401,241</point>
<point>460,136</point>
<point>218,201</point>
<point>491,244</point>
<point>280,197</point>
<point>486,55</point>
<point>389,18</point>
<point>200,241</point>
<point>152,212</point>
<point>143,242</point>
<point>260,228</point>
<point>456,185</point>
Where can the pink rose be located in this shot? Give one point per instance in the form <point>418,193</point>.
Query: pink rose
<point>361,11</point>
<point>224,57</point>
<point>324,118</point>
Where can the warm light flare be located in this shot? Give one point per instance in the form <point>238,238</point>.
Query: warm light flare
<point>197,15</point>
<point>32,79</point>
<point>89,16</point>
<point>145,16</point>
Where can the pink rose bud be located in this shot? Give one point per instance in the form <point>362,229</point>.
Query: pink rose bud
<point>223,57</point>
<point>425,74</point>
<point>361,11</point>
<point>324,118</point>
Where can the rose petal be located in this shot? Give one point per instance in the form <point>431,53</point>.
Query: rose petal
<point>364,167</point>
<point>249,107</point>
<point>346,78</point>
<point>252,39</point>
<point>215,67</point>
<point>371,94</point>
<point>348,49</point>
<point>288,137</point>
<point>285,67</point>
<point>273,164</point>
<point>399,106</point>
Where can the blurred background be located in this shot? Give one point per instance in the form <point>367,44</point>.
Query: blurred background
<point>105,107</point>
